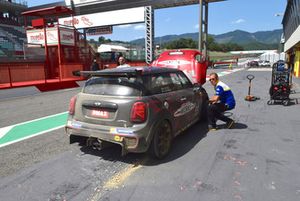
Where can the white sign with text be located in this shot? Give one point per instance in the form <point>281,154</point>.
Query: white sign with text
<point>125,16</point>
<point>37,36</point>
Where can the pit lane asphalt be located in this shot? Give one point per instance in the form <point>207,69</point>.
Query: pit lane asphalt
<point>258,160</point>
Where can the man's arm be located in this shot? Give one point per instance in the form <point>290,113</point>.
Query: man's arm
<point>214,99</point>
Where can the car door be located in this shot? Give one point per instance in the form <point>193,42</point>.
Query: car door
<point>192,102</point>
<point>163,88</point>
<point>185,96</point>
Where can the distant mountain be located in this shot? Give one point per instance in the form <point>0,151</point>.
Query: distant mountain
<point>247,40</point>
<point>243,37</point>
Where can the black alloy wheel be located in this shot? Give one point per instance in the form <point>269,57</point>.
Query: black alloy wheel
<point>162,140</point>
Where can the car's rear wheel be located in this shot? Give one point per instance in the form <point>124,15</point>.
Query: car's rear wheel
<point>162,140</point>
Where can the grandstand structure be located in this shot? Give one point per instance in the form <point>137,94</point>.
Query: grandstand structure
<point>38,51</point>
<point>12,34</point>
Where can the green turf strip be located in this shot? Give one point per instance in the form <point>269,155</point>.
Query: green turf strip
<point>34,127</point>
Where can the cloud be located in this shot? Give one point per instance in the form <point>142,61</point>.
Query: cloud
<point>139,27</point>
<point>278,14</point>
<point>125,26</point>
<point>138,37</point>
<point>239,21</point>
<point>196,26</point>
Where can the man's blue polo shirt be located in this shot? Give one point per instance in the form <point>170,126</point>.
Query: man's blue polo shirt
<point>225,94</point>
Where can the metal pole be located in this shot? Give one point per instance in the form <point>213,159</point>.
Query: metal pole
<point>200,24</point>
<point>46,67</point>
<point>149,22</point>
<point>205,30</point>
<point>59,46</point>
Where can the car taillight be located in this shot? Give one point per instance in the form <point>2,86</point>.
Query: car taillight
<point>72,105</point>
<point>138,112</point>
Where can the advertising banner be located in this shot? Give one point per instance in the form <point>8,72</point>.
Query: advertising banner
<point>125,16</point>
<point>37,36</point>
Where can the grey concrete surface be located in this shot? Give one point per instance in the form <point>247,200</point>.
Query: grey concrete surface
<point>257,160</point>
<point>18,92</point>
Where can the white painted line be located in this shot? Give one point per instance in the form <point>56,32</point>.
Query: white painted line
<point>36,119</point>
<point>40,133</point>
<point>5,130</point>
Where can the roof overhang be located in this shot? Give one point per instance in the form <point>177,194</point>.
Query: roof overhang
<point>93,6</point>
<point>292,41</point>
<point>50,11</point>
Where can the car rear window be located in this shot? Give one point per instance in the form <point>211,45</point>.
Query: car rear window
<point>114,86</point>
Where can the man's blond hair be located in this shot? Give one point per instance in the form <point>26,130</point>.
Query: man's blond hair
<point>215,75</point>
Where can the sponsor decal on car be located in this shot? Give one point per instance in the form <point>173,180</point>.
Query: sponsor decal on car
<point>118,138</point>
<point>76,124</point>
<point>174,63</point>
<point>184,109</point>
<point>120,131</point>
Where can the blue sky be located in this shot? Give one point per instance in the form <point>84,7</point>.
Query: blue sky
<point>230,15</point>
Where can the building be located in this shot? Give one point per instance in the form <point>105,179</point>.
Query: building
<point>291,30</point>
<point>12,34</point>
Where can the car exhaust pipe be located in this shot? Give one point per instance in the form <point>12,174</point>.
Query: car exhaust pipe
<point>97,144</point>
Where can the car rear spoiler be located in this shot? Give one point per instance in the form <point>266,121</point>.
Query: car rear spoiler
<point>135,73</point>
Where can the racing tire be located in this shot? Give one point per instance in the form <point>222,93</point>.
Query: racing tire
<point>162,140</point>
<point>203,111</point>
<point>204,106</point>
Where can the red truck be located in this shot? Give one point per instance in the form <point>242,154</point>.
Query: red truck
<point>191,62</point>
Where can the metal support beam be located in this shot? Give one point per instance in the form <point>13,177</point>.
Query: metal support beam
<point>149,22</point>
<point>205,31</point>
<point>200,41</point>
<point>203,27</point>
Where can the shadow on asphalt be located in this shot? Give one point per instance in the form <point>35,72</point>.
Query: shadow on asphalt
<point>237,125</point>
<point>182,144</point>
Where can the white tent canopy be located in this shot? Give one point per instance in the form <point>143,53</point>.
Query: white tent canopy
<point>111,48</point>
<point>272,56</point>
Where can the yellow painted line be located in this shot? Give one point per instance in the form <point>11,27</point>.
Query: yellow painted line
<point>117,180</point>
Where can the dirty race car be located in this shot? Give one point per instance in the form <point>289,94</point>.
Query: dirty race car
<point>141,109</point>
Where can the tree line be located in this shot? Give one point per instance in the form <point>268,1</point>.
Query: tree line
<point>211,44</point>
<point>183,43</point>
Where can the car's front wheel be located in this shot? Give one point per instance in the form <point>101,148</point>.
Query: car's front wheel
<point>162,140</point>
<point>204,105</point>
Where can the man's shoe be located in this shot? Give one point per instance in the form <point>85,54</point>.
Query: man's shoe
<point>212,128</point>
<point>230,124</point>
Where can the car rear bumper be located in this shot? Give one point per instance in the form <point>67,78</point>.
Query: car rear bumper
<point>128,138</point>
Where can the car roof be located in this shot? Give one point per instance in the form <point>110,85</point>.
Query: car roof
<point>184,52</point>
<point>131,71</point>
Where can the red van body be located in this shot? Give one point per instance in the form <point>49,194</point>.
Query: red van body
<point>191,62</point>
